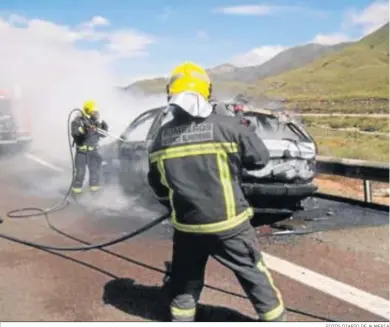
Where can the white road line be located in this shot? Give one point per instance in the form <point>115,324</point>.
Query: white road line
<point>364,300</point>
<point>43,162</point>
<point>344,292</point>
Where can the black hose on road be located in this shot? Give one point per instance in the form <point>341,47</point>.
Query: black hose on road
<point>22,213</point>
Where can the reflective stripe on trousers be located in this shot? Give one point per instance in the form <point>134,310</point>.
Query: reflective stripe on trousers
<point>86,148</point>
<point>77,190</point>
<point>240,254</point>
<point>279,309</point>
<point>183,308</point>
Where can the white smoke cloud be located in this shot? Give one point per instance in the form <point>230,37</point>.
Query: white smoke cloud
<point>45,63</point>
<point>55,68</point>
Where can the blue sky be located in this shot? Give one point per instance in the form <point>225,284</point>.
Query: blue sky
<point>208,32</point>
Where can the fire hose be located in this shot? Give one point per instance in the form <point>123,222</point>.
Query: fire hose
<point>21,213</point>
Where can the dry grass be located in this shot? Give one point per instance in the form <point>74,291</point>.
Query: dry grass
<point>365,124</point>
<point>351,145</point>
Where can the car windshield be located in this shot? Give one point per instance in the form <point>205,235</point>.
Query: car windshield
<point>5,107</point>
<point>139,128</point>
<point>278,126</point>
<point>271,128</point>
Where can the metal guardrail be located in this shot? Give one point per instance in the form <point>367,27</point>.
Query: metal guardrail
<point>367,171</point>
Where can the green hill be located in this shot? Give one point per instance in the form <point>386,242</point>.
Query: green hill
<point>228,78</point>
<point>356,77</point>
<point>348,77</point>
<point>286,60</point>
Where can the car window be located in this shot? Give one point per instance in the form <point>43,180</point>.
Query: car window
<point>139,128</point>
<point>271,128</point>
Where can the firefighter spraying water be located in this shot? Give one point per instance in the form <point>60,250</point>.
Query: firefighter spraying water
<point>85,130</point>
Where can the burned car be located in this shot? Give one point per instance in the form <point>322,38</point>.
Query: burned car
<point>277,188</point>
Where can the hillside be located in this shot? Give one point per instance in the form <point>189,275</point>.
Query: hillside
<point>357,76</point>
<point>227,77</point>
<point>286,60</point>
<point>348,77</point>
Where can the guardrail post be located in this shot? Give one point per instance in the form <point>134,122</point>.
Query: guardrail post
<point>367,190</point>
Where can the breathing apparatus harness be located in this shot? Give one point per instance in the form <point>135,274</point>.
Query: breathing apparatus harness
<point>64,202</point>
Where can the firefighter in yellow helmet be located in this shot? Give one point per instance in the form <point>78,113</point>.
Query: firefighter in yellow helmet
<point>195,164</point>
<point>86,138</point>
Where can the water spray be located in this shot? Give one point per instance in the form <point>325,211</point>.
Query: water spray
<point>100,131</point>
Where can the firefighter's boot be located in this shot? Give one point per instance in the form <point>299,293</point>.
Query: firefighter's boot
<point>281,318</point>
<point>77,192</point>
<point>94,190</point>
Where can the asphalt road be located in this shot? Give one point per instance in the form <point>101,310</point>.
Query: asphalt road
<point>339,275</point>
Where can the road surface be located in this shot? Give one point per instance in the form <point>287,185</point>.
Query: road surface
<point>338,275</point>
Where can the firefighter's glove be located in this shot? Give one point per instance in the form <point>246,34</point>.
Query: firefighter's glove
<point>91,128</point>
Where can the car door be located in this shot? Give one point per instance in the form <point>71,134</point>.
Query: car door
<point>133,153</point>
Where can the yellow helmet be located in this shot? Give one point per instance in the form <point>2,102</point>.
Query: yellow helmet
<point>90,107</point>
<point>189,76</point>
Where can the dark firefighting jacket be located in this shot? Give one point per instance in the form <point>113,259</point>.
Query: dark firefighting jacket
<point>84,138</point>
<point>197,163</point>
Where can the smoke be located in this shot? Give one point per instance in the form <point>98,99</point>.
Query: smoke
<point>47,71</point>
<point>43,63</point>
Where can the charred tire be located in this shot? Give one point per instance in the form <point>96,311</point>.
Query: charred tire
<point>279,190</point>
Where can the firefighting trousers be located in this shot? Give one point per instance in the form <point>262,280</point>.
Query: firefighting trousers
<point>93,160</point>
<point>240,254</point>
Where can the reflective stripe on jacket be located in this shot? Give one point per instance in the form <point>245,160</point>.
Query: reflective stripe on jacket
<point>197,164</point>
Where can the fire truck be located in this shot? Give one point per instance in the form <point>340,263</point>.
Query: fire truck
<point>15,127</point>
